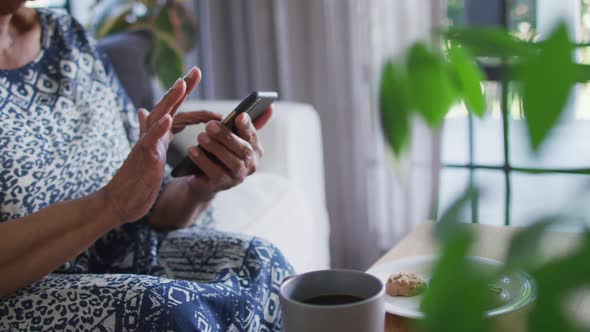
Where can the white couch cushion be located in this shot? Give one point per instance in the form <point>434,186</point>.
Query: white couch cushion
<point>269,206</point>
<point>289,208</point>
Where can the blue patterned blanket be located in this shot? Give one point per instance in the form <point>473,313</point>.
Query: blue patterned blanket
<point>194,279</point>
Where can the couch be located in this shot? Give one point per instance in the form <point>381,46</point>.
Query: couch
<point>284,201</point>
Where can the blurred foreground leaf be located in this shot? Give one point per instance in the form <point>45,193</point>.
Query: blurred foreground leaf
<point>524,246</point>
<point>547,80</point>
<point>545,72</point>
<point>469,77</point>
<point>395,108</point>
<point>430,87</point>
<point>449,227</point>
<point>458,293</point>
<point>557,281</point>
<point>490,42</point>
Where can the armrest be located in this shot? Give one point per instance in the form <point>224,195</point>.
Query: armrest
<point>292,142</point>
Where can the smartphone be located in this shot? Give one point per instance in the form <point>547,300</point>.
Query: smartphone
<point>255,104</point>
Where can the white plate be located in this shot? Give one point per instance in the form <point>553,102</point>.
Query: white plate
<point>518,287</point>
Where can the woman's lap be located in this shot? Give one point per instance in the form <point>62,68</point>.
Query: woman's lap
<point>199,279</point>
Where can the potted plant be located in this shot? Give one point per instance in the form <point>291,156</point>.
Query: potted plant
<point>169,23</point>
<point>426,83</point>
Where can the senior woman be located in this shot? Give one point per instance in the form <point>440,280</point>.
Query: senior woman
<point>84,189</point>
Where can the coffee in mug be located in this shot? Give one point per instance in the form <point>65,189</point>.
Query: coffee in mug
<point>333,300</point>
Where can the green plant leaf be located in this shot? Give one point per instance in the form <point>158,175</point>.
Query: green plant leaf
<point>490,42</point>
<point>188,27</point>
<point>523,251</point>
<point>167,61</point>
<point>556,281</point>
<point>431,89</point>
<point>395,107</point>
<point>457,295</point>
<point>116,23</point>
<point>547,79</point>
<point>468,77</point>
<point>583,72</point>
<point>104,11</point>
<point>449,225</point>
<point>163,20</point>
<point>456,279</point>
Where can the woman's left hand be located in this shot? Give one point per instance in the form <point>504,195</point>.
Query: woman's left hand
<point>238,155</point>
<point>185,198</point>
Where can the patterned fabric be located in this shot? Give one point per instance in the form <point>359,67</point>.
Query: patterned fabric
<point>66,126</point>
<point>202,280</point>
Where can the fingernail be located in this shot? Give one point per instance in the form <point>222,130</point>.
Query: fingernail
<point>177,83</point>
<point>174,86</point>
<point>213,127</point>
<point>189,74</point>
<point>247,152</point>
<point>204,138</point>
<point>194,152</point>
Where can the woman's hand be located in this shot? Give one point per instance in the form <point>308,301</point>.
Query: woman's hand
<point>134,188</point>
<point>182,120</point>
<point>237,155</point>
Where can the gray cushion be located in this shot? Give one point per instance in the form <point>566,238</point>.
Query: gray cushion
<point>130,53</point>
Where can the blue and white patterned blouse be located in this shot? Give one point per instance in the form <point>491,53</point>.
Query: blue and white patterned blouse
<point>66,125</point>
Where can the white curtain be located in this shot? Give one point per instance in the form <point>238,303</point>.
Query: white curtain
<point>329,53</point>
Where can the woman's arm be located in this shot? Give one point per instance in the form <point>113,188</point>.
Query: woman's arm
<point>33,246</point>
<point>178,206</point>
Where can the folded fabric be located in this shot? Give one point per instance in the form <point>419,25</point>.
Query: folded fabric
<point>199,280</point>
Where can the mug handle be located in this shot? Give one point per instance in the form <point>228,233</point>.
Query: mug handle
<point>287,278</point>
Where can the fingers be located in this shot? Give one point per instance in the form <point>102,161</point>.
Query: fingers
<point>174,98</point>
<point>212,170</point>
<point>142,114</point>
<point>247,131</point>
<point>195,117</point>
<point>237,167</point>
<point>226,158</point>
<point>225,137</point>
<point>181,120</point>
<point>165,106</point>
<point>156,132</point>
<point>192,80</point>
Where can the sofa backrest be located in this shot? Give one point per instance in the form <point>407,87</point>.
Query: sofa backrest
<point>130,53</point>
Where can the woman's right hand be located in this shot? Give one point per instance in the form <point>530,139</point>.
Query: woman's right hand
<point>134,188</point>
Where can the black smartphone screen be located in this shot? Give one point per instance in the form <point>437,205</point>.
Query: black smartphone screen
<point>255,104</point>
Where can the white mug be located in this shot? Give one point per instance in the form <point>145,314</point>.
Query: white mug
<point>333,300</point>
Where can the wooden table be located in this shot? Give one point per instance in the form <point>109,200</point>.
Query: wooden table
<point>492,242</point>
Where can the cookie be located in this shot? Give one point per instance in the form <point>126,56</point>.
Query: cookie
<point>405,284</point>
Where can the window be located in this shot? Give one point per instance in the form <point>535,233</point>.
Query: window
<point>54,4</point>
<point>80,9</point>
<point>493,154</point>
